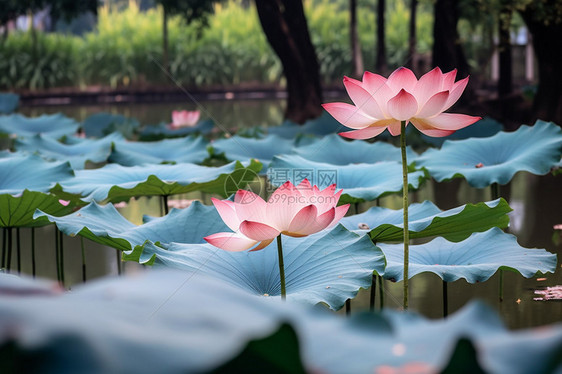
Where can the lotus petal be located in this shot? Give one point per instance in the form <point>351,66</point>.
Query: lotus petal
<point>475,259</point>
<point>321,268</point>
<point>427,220</point>
<point>484,128</point>
<point>77,153</point>
<point>360,182</point>
<point>483,161</point>
<point>53,125</point>
<point>167,151</point>
<point>119,183</point>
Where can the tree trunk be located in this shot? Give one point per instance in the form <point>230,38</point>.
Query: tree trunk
<point>356,55</point>
<point>284,24</point>
<point>165,58</point>
<point>505,81</point>
<point>381,64</point>
<point>547,44</point>
<point>412,38</point>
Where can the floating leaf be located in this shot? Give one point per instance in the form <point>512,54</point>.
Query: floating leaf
<point>8,102</point>
<point>77,153</point>
<point>360,182</point>
<point>119,183</point>
<point>167,151</point>
<point>484,128</point>
<point>105,225</point>
<point>426,220</point>
<point>53,125</point>
<point>475,259</point>
<point>244,149</point>
<point>151,315</point>
<point>323,125</point>
<point>328,267</point>
<point>31,172</point>
<point>335,150</point>
<point>162,131</point>
<point>535,149</point>
<point>17,211</point>
<point>101,124</point>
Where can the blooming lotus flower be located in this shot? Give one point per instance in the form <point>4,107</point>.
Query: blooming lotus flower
<point>184,118</point>
<point>382,103</point>
<point>294,211</point>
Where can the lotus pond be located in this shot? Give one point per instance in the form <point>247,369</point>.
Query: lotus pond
<point>136,194</point>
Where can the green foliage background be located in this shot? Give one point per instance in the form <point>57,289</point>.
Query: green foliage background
<point>126,47</point>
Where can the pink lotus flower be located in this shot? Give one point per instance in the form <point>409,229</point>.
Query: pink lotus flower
<point>184,118</point>
<point>294,211</point>
<point>382,103</point>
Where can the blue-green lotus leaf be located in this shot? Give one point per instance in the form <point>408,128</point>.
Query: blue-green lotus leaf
<point>475,259</point>
<point>360,182</point>
<point>119,183</point>
<point>484,128</point>
<point>101,124</point>
<point>483,161</point>
<point>17,211</point>
<point>328,267</point>
<point>31,172</point>
<point>134,319</point>
<point>105,225</point>
<point>162,130</point>
<point>427,220</point>
<point>323,125</point>
<point>244,149</point>
<point>78,153</point>
<point>333,149</point>
<point>53,125</point>
<point>8,102</point>
<point>167,151</point>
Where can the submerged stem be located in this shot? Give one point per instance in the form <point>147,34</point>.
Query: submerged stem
<point>405,205</point>
<point>83,259</point>
<point>281,267</point>
<point>33,264</point>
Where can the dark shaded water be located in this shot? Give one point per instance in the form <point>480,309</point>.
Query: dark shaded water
<point>536,200</point>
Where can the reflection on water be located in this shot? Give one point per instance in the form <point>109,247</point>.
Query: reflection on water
<point>537,204</point>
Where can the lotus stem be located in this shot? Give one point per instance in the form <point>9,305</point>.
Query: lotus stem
<point>83,259</point>
<point>118,253</point>
<point>405,205</point>
<point>373,293</point>
<point>381,292</point>
<point>9,259</point>
<point>495,192</point>
<point>445,300</point>
<point>281,267</point>
<point>4,246</point>
<point>18,249</point>
<point>33,265</point>
<point>61,257</point>
<point>356,206</point>
<point>165,202</point>
<point>501,285</point>
<point>57,254</point>
<point>348,307</point>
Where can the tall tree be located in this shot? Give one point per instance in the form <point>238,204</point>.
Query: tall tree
<point>190,10</point>
<point>286,29</point>
<point>356,55</point>
<point>544,20</point>
<point>412,37</point>
<point>381,64</point>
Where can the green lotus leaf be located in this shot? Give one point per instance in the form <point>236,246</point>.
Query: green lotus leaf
<point>475,259</point>
<point>53,125</point>
<point>119,183</point>
<point>19,172</point>
<point>105,225</point>
<point>334,149</point>
<point>483,161</point>
<point>328,267</point>
<point>77,153</point>
<point>427,220</point>
<point>167,151</point>
<point>360,182</point>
